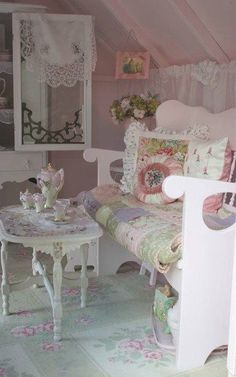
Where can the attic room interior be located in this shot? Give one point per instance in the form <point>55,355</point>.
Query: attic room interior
<point>117,188</point>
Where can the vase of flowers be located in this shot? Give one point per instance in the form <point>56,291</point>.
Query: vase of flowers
<point>134,107</point>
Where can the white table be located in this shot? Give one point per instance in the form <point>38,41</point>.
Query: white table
<point>42,233</point>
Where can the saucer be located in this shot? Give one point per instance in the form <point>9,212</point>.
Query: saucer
<point>66,220</point>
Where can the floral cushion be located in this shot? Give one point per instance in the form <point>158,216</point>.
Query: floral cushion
<point>151,232</point>
<point>209,160</point>
<point>157,158</point>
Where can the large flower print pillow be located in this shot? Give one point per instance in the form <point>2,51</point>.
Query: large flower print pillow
<point>157,159</point>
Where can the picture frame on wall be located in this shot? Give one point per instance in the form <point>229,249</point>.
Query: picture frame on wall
<point>132,65</point>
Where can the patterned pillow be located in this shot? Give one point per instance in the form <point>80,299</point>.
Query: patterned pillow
<point>131,140</point>
<point>230,198</point>
<point>129,160</point>
<point>209,160</point>
<point>156,159</point>
<point>196,131</point>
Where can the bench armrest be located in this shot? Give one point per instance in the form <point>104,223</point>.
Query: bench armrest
<point>104,159</point>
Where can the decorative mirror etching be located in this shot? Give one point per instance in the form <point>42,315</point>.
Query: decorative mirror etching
<point>34,132</point>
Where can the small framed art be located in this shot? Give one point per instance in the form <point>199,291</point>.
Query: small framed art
<point>132,65</point>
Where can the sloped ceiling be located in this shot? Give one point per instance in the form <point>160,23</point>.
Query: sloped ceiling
<point>174,31</point>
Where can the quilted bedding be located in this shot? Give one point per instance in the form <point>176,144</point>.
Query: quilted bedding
<point>150,231</point>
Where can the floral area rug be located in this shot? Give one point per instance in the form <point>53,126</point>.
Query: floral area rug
<point>111,337</point>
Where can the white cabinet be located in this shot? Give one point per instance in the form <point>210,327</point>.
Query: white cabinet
<point>46,64</point>
<point>17,166</point>
<point>53,59</point>
<point>14,166</point>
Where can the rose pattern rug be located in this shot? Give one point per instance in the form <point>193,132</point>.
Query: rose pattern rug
<point>110,338</point>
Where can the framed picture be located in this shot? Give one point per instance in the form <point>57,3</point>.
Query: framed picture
<point>132,65</point>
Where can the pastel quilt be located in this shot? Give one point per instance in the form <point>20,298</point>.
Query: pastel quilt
<point>151,231</point>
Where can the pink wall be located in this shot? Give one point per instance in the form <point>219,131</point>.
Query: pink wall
<point>79,174</point>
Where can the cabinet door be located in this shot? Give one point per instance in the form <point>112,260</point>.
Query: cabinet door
<point>53,58</point>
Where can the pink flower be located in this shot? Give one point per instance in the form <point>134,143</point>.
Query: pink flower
<point>139,113</point>
<point>51,347</point>
<point>3,372</point>
<point>93,289</point>
<point>151,339</point>
<point>132,344</point>
<point>45,327</point>
<point>125,104</point>
<point>24,331</point>
<point>71,292</point>
<point>148,354</point>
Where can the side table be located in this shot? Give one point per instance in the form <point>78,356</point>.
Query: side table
<point>42,233</point>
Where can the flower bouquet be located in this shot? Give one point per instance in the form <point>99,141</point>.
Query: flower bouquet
<point>134,106</point>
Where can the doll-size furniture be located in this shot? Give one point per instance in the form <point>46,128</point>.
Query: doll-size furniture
<point>40,232</point>
<point>201,267</point>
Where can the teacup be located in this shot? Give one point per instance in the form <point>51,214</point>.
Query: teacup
<point>26,199</point>
<point>39,202</point>
<point>60,207</point>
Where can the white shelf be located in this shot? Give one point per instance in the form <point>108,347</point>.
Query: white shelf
<point>6,149</point>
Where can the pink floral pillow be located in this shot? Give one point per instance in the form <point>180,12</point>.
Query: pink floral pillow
<point>157,158</point>
<point>149,179</point>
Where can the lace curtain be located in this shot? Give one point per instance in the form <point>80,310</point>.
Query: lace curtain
<point>205,84</point>
<point>59,49</point>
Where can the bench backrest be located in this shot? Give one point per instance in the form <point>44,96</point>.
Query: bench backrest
<point>175,115</point>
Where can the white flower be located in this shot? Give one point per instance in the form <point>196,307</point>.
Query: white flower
<point>144,96</point>
<point>115,121</point>
<point>125,104</point>
<point>139,113</point>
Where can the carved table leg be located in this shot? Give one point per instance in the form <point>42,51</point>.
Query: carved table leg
<point>57,280</point>
<point>84,277</point>
<point>5,287</point>
<point>34,263</point>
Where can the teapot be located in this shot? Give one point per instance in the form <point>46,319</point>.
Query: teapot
<point>50,182</point>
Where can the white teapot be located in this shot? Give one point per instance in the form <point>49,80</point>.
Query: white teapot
<point>51,182</point>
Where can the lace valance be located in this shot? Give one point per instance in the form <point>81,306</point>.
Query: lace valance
<point>58,49</point>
